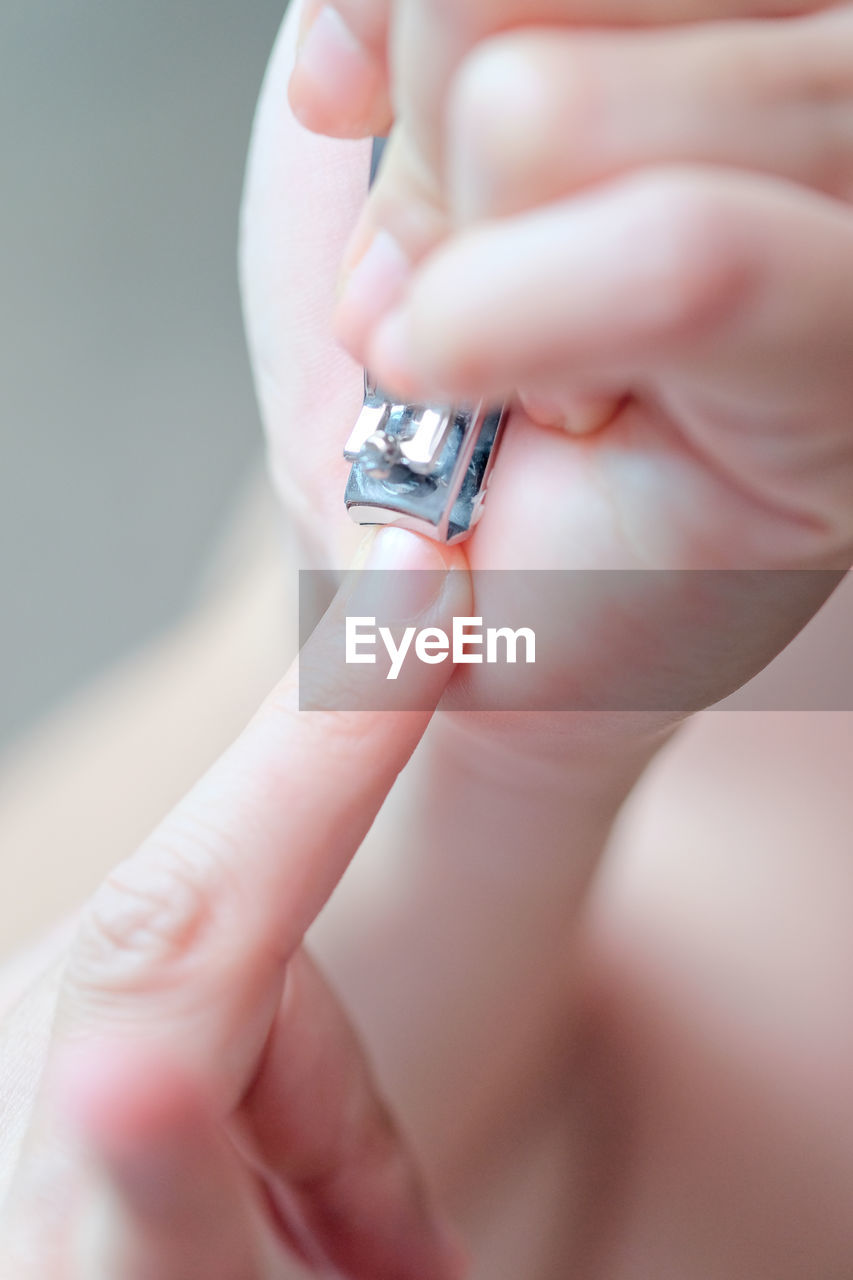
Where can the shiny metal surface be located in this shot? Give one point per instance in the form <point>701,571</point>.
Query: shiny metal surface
<point>425,467</point>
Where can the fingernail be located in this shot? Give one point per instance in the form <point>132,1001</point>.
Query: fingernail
<point>395,548</point>
<point>579,416</point>
<point>332,69</point>
<point>587,416</point>
<point>544,411</point>
<point>307,18</point>
<point>391,356</point>
<point>399,574</point>
<point>373,287</point>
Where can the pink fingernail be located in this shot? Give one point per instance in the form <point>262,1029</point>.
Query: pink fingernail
<point>584,417</point>
<point>332,69</point>
<point>375,285</point>
<point>544,411</point>
<point>390,356</point>
<point>412,577</point>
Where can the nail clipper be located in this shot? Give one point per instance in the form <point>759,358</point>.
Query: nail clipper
<point>425,467</point>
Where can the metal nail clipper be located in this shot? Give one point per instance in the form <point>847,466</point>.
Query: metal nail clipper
<point>425,467</point>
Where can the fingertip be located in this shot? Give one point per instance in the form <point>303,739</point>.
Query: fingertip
<point>587,416</point>
<point>391,359</point>
<point>337,84</point>
<point>414,354</point>
<point>373,286</point>
<point>545,411</point>
<point>578,415</point>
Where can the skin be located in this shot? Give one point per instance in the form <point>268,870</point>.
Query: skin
<point>508,263</point>
<point>203,1105</point>
<point>727,441</point>
<point>666,1107</point>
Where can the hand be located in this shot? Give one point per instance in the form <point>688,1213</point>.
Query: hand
<point>354,62</point>
<point>711,1134</point>
<point>348,76</point>
<point>181,1094</point>
<point>708,463</point>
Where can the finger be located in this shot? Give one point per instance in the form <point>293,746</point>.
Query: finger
<point>339,84</point>
<point>330,1149</point>
<point>166,1199</point>
<point>404,219</point>
<point>540,114</point>
<point>169,1199</point>
<point>619,99</point>
<point>737,286</point>
<point>578,414</point>
<point>669,266</point>
<point>431,38</point>
<point>187,942</point>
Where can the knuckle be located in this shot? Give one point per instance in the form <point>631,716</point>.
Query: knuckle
<point>144,917</point>
<point>693,270</point>
<point>477,107</point>
<point>505,100</point>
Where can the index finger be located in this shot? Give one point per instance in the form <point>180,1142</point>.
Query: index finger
<point>186,943</point>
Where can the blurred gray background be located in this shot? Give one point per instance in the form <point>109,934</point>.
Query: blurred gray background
<point>126,412</point>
